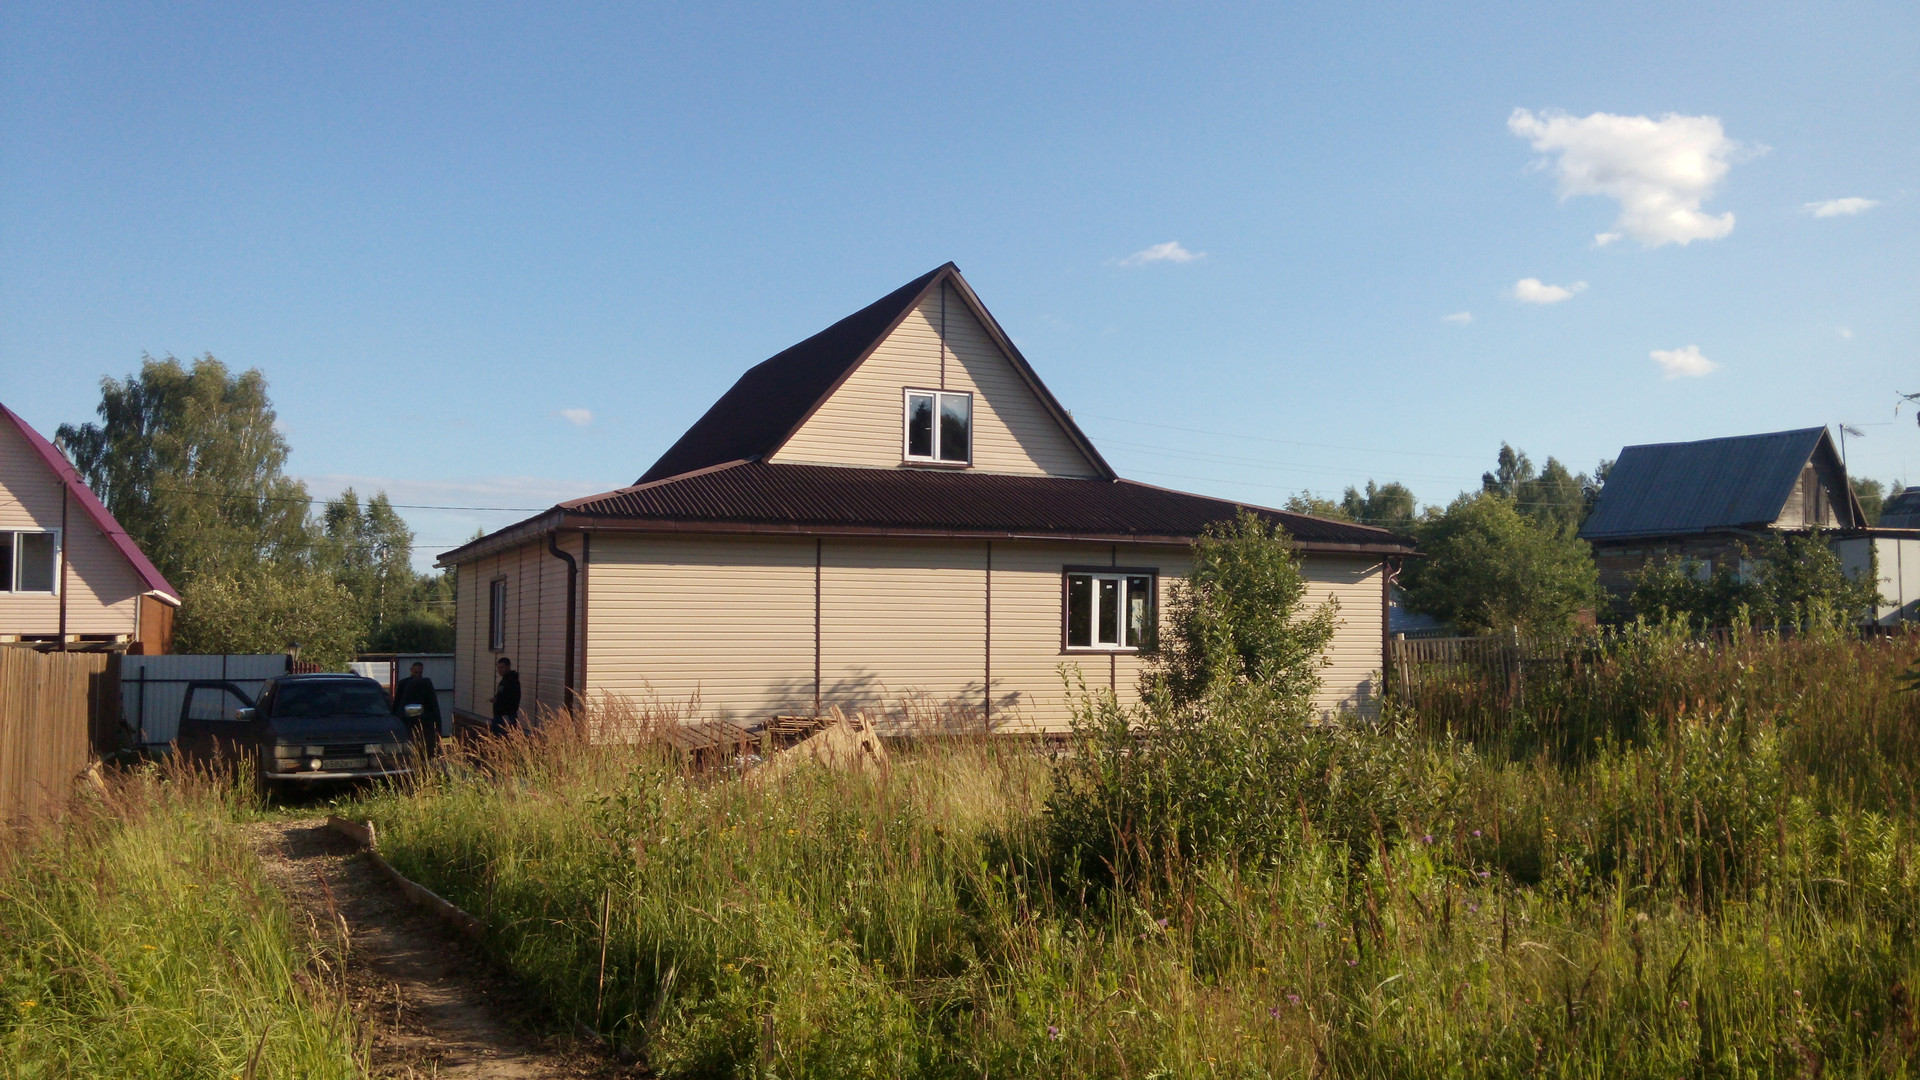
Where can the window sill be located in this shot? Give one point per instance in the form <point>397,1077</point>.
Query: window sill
<point>916,463</point>
<point>1101,650</point>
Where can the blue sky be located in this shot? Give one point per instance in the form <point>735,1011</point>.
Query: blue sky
<point>443,232</point>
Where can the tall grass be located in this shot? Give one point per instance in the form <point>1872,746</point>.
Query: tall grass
<point>1706,894</point>
<point>138,938</point>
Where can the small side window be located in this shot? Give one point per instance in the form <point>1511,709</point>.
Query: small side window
<point>497,615</point>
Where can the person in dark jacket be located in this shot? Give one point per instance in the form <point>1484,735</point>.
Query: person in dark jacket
<point>417,689</point>
<point>506,698</point>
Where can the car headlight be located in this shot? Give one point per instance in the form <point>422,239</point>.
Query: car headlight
<point>390,749</point>
<point>316,751</point>
<point>283,751</point>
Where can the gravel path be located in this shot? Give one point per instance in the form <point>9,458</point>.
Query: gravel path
<point>430,1005</point>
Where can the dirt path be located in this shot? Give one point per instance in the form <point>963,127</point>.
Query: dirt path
<point>431,1006</point>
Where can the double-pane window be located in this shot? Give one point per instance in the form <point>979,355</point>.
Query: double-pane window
<point>939,426</point>
<point>29,561</point>
<point>1110,611</point>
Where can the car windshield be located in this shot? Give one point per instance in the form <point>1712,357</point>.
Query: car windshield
<point>341,698</point>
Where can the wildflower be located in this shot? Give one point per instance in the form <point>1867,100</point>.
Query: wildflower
<point>1427,839</point>
<point>1161,923</point>
<point>1476,834</point>
<point>1472,908</point>
<point>1273,1011</point>
<point>1053,1033</point>
<point>1258,970</point>
<point>1293,999</point>
<point>1482,873</point>
<point>1684,1005</point>
<point>149,948</point>
<point>28,1003</point>
<point>1353,963</point>
<point>1796,993</point>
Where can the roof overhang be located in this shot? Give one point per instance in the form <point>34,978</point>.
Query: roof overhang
<point>559,520</point>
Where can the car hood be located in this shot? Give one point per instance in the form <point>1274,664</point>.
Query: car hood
<point>346,729</point>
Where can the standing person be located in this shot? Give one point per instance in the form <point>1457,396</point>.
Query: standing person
<point>506,698</point>
<point>417,689</point>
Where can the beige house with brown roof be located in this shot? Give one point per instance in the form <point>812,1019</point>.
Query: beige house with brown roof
<point>68,572</point>
<point>895,509</point>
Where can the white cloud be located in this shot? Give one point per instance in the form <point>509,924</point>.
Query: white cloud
<point>1605,238</point>
<point>576,417</point>
<point>1846,333</point>
<point>1534,291</point>
<point>1659,171</point>
<point>1171,251</point>
<point>1458,318</point>
<point>1840,207</point>
<point>1684,363</point>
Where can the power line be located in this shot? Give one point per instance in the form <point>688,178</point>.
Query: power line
<point>1284,442</point>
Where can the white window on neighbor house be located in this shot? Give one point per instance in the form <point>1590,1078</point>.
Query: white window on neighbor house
<point>497,615</point>
<point>939,427</point>
<point>1110,610</point>
<point>29,562</point>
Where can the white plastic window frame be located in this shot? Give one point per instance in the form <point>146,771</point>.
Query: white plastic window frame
<point>906,427</point>
<point>17,556</point>
<point>1120,574</point>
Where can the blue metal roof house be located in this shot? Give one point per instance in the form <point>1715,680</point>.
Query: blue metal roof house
<point>1702,501</point>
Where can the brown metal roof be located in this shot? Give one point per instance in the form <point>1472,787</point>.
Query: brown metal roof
<point>811,499</point>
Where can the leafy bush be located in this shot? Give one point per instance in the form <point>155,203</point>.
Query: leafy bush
<point>1486,567</point>
<point>1793,580</point>
<point>264,608</point>
<point>1223,755</point>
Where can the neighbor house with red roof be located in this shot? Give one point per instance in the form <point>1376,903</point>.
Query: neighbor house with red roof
<point>69,574</point>
<point>894,511</point>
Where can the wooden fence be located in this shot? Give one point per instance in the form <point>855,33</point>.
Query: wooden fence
<point>55,710</point>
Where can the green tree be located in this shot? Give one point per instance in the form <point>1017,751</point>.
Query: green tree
<point>1390,506</point>
<point>266,607</point>
<point>1554,496</point>
<point>369,551</point>
<point>1238,625</point>
<point>1872,495</point>
<point>1486,567</point>
<point>189,462</point>
<point>1308,503</point>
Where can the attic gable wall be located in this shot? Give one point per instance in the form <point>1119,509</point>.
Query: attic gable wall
<point>860,424</point>
<point>1819,498</point>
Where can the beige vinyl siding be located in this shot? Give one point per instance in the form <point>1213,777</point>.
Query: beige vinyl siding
<point>1028,634</point>
<point>103,591</point>
<point>1352,677</point>
<point>535,627</point>
<point>862,422</point>
<point>729,620</point>
<point>903,621</point>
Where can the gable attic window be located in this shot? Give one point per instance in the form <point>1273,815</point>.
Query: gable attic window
<point>1110,610</point>
<point>29,562</point>
<point>939,427</point>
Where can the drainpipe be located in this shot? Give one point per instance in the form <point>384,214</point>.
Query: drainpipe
<point>573,592</point>
<point>61,581</point>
